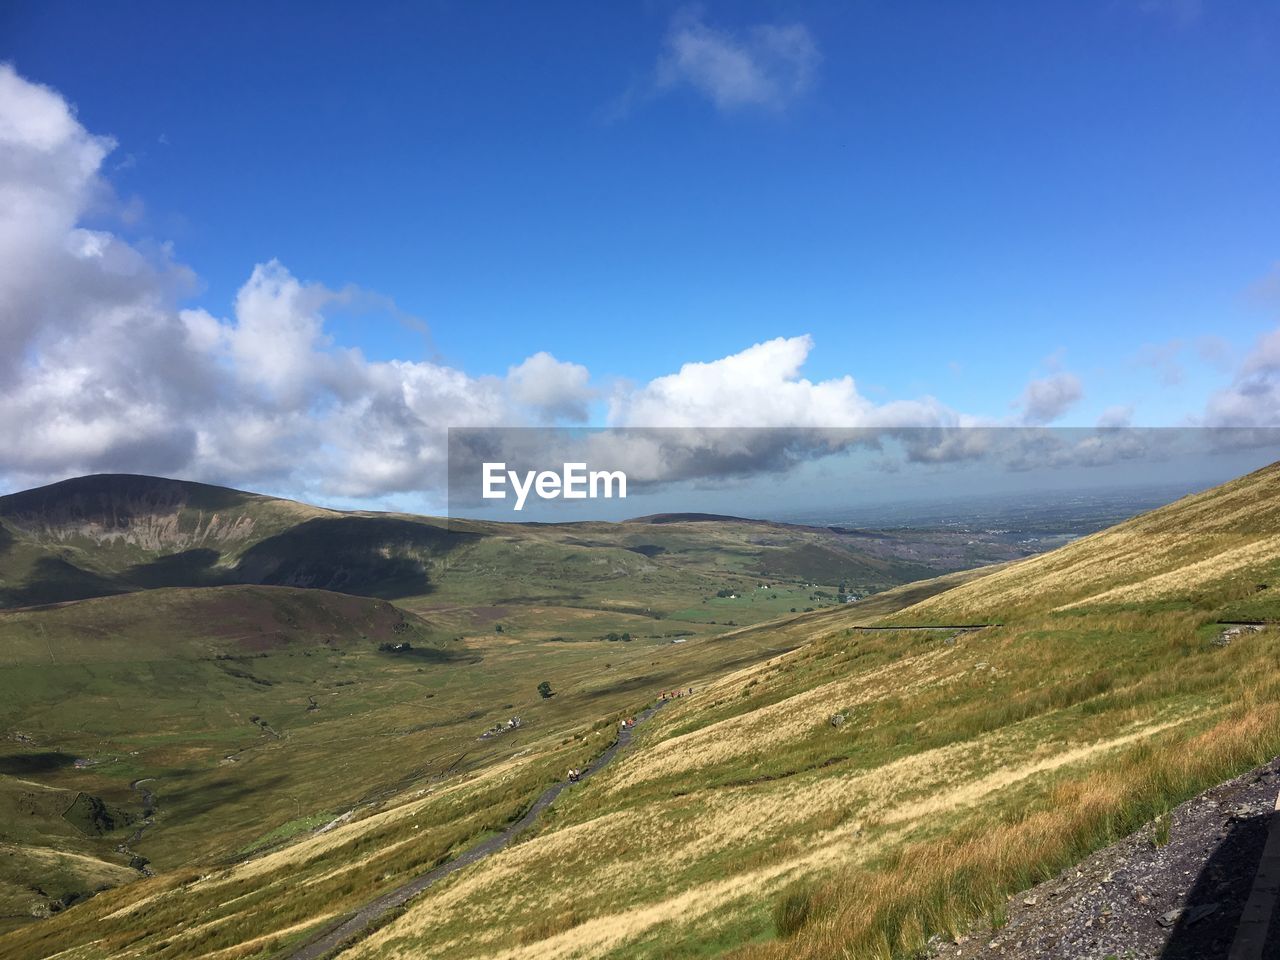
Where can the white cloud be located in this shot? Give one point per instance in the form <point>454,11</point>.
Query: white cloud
<point>114,375</point>
<point>48,176</point>
<point>764,66</point>
<point>551,389</point>
<point>1116,417</point>
<point>1265,357</point>
<point>762,387</point>
<point>1253,398</point>
<point>100,370</point>
<point>1046,400</point>
<point>754,412</point>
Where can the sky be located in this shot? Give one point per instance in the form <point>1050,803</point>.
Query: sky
<point>285,246</point>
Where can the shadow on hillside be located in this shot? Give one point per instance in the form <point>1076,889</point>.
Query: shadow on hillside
<point>27,764</point>
<point>188,798</point>
<point>385,557</point>
<point>190,568</point>
<point>53,580</point>
<point>645,681</point>
<point>373,556</point>
<point>433,655</point>
<point>6,540</point>
<point>1211,913</point>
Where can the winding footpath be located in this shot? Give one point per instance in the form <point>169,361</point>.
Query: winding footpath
<point>351,928</point>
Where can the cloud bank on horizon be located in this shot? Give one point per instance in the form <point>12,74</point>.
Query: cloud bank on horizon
<point>103,368</point>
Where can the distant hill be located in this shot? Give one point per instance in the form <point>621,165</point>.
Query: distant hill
<point>141,509</point>
<point>116,533</point>
<point>181,622</point>
<point>659,518</point>
<point>119,533</point>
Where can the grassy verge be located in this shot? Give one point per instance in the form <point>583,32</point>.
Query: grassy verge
<point>943,886</point>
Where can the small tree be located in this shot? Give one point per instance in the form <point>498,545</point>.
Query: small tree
<point>544,689</point>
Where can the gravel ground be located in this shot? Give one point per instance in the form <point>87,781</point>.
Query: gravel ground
<point>1136,901</point>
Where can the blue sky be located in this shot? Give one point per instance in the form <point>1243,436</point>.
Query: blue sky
<point>951,200</point>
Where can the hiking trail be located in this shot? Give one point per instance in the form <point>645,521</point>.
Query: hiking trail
<point>359,922</point>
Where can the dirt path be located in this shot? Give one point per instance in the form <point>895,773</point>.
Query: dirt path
<point>355,925</point>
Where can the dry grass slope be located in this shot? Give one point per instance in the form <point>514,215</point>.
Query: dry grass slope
<point>964,770</point>
<point>747,823</point>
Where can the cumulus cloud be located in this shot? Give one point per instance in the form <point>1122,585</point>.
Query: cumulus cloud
<point>1046,400</point>
<point>100,368</point>
<point>762,387</point>
<point>763,66</point>
<point>48,177</point>
<point>552,389</point>
<point>1253,398</point>
<point>754,412</point>
<point>85,325</point>
<point>1116,417</point>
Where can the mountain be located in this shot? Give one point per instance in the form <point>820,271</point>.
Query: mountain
<point>99,535</point>
<point>173,649</point>
<point>117,533</point>
<point>847,781</point>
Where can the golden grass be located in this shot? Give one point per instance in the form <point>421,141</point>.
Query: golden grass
<point>941,886</point>
<point>1195,543</point>
<point>964,772</point>
<point>771,726</point>
<point>589,888</point>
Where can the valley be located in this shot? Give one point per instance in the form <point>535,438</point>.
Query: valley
<point>317,738</point>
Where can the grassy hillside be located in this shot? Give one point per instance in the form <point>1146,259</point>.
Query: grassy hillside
<point>169,687</point>
<point>827,790</point>
<point>1214,548</point>
<point>965,766</point>
<point>394,761</point>
<point>220,722</point>
<point>197,693</point>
